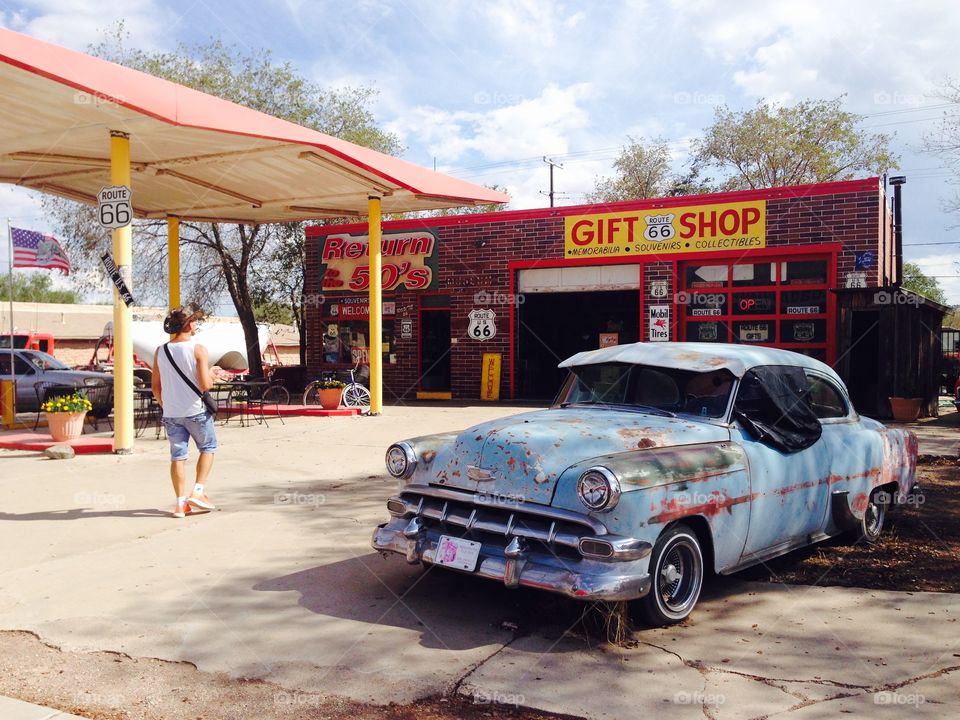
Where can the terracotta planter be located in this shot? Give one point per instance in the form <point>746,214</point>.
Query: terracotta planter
<point>65,425</point>
<point>330,399</point>
<point>905,409</point>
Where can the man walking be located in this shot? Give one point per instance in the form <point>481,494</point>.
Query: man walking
<point>184,413</point>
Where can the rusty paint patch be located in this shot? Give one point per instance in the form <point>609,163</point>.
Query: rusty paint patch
<point>860,504</point>
<point>675,510</point>
<point>429,455</point>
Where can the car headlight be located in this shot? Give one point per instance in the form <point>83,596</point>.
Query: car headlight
<point>91,381</point>
<point>401,460</point>
<point>598,488</point>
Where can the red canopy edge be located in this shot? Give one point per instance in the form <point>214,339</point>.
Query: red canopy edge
<point>179,105</point>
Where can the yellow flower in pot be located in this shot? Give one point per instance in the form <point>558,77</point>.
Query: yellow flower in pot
<point>65,414</point>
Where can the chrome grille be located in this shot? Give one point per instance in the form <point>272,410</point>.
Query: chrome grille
<point>498,521</point>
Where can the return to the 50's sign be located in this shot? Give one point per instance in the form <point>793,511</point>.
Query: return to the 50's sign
<point>695,228</point>
<point>409,259</point>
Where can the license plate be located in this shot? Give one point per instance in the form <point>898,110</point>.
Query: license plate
<point>457,553</point>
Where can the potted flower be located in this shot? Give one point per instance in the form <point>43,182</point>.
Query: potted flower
<point>330,393</point>
<point>65,414</point>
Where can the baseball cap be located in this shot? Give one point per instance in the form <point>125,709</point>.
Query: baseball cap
<point>178,318</point>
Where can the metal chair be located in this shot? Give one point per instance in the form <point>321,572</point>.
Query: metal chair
<point>146,412</point>
<point>100,396</point>
<point>47,390</point>
<point>273,395</point>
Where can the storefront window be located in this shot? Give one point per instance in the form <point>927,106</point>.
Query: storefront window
<point>706,332</point>
<point>346,342</point>
<point>803,331</point>
<point>782,303</point>
<point>803,302</point>
<point>754,274</point>
<point>803,272</point>
<point>345,326</point>
<point>761,331</point>
<point>754,303</point>
<point>707,275</point>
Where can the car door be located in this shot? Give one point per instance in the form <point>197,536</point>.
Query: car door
<point>26,375</point>
<point>788,504</point>
<point>855,452</point>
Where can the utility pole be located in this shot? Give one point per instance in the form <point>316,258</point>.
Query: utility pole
<point>552,165</point>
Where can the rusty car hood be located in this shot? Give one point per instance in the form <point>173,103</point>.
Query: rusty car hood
<point>522,456</point>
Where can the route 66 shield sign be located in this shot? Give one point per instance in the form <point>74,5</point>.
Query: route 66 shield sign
<point>482,324</point>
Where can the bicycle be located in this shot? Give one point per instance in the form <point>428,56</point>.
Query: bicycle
<point>355,394</point>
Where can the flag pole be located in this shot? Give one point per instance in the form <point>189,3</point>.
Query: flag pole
<point>13,375</point>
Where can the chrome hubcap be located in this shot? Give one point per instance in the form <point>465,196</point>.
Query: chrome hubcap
<point>679,578</point>
<point>873,518</point>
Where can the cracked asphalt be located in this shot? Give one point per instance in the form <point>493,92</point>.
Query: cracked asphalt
<point>281,587</point>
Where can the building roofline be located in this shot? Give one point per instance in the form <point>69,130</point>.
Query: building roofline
<point>864,185</point>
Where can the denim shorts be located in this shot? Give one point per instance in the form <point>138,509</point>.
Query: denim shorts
<point>180,430</point>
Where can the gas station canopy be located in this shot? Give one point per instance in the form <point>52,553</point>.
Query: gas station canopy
<point>72,124</point>
<point>193,155</point>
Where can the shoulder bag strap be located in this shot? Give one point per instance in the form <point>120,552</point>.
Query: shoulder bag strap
<point>188,381</point>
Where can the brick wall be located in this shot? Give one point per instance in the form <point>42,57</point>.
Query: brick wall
<point>475,254</point>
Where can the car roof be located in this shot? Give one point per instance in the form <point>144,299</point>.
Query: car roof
<point>699,357</point>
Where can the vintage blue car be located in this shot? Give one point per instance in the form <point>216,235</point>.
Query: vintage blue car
<point>657,461</point>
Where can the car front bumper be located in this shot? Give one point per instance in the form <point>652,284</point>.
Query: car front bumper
<point>583,579</point>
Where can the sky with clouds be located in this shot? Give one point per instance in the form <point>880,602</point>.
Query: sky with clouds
<point>485,89</point>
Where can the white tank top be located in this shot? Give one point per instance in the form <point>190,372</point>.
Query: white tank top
<point>178,399</point>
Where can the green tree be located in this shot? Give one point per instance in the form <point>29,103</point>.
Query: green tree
<point>775,145</point>
<point>34,287</point>
<point>242,260</point>
<point>919,282</point>
<point>642,170</point>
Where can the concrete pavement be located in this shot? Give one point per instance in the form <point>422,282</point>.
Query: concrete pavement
<point>281,584</point>
<point>11,709</point>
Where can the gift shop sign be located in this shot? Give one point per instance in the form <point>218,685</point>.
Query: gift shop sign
<point>409,260</point>
<point>695,228</point>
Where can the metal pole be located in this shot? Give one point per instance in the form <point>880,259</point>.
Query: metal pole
<point>552,165</point>
<point>173,260</point>
<point>122,315</point>
<point>13,375</point>
<point>376,305</point>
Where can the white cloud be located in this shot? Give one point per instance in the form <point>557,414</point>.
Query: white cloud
<point>536,22</point>
<point>785,51</point>
<point>945,269</point>
<point>513,127</point>
<point>79,23</point>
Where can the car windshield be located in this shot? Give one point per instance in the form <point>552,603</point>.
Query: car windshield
<point>644,387</point>
<point>42,361</point>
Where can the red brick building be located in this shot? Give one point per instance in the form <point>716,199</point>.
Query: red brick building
<point>535,286</point>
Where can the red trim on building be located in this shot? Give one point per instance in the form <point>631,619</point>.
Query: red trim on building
<point>866,185</point>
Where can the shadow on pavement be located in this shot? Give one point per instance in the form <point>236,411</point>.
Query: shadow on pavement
<point>83,514</point>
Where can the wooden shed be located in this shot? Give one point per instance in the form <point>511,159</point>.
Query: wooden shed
<point>888,345</point>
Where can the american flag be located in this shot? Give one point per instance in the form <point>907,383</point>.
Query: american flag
<point>33,249</point>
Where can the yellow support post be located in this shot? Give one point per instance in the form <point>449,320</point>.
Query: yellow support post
<point>122,315</point>
<point>173,260</point>
<point>8,396</point>
<point>376,305</point>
